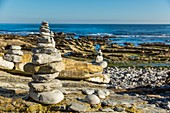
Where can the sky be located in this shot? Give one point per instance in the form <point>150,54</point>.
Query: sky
<point>86,11</point>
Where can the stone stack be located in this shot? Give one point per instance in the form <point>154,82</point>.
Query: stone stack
<point>99,60</point>
<point>46,66</point>
<point>14,54</point>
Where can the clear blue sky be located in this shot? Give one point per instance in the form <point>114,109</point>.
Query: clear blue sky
<point>85,11</point>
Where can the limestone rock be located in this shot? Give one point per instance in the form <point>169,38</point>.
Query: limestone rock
<point>52,97</point>
<point>44,77</point>
<point>92,99</point>
<point>104,79</point>
<point>15,52</point>
<point>83,66</point>
<point>78,107</point>
<point>44,87</point>
<point>12,58</point>
<point>45,45</point>
<point>89,91</point>
<point>44,40</point>
<point>44,34</point>
<point>46,68</point>
<point>103,64</point>
<point>102,93</point>
<point>15,47</point>
<point>44,50</point>
<point>46,58</point>
<point>6,64</point>
<point>77,75</point>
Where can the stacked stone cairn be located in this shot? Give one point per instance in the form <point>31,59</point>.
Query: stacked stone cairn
<point>14,54</point>
<point>46,66</point>
<point>99,60</point>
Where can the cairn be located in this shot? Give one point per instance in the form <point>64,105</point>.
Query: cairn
<point>14,54</point>
<point>99,60</point>
<point>46,66</point>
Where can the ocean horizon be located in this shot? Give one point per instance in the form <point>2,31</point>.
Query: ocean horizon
<point>133,33</point>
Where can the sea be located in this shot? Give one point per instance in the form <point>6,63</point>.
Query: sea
<point>133,33</point>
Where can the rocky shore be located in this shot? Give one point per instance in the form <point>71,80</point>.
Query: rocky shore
<point>87,86</point>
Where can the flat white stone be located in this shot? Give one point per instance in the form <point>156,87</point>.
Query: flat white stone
<point>92,99</point>
<point>102,93</point>
<point>44,34</point>
<point>6,64</point>
<point>51,97</point>
<point>46,58</point>
<point>44,87</point>
<point>15,47</point>
<point>88,91</point>
<point>12,58</point>
<point>15,52</point>
<point>46,45</point>
<point>45,50</point>
<point>44,77</point>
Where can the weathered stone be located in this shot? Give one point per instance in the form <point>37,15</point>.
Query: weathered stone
<point>6,64</point>
<point>45,39</point>
<point>99,59</point>
<point>26,58</point>
<point>44,87</point>
<point>107,110</point>
<point>15,52</point>
<point>119,109</point>
<point>12,58</point>
<point>46,68</point>
<point>46,58</point>
<point>103,64</point>
<point>44,77</point>
<point>101,94</point>
<point>78,107</point>
<point>43,29</point>
<point>92,99</point>
<point>15,47</point>
<point>77,75</point>
<point>88,91</point>
<point>44,34</point>
<point>45,45</point>
<point>52,97</point>
<point>83,66</point>
<point>104,79</point>
<point>44,50</point>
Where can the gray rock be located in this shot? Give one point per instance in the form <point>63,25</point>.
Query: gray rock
<point>78,107</point>
<point>49,68</point>
<point>52,97</point>
<point>45,39</point>
<point>44,45</point>
<point>43,29</point>
<point>107,110</point>
<point>44,50</point>
<point>6,64</point>
<point>88,91</point>
<point>44,77</point>
<point>92,99</point>
<point>12,58</point>
<point>101,94</point>
<point>109,103</point>
<point>44,87</point>
<point>103,64</point>
<point>119,109</point>
<point>15,52</point>
<point>46,58</point>
<point>15,47</point>
<point>99,59</point>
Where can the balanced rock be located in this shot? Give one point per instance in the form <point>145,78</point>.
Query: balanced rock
<point>44,77</point>
<point>50,97</point>
<point>12,58</point>
<point>44,50</point>
<point>45,45</point>
<point>46,58</point>
<point>6,64</point>
<point>44,87</point>
<point>45,68</point>
<point>15,47</point>
<point>15,52</point>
